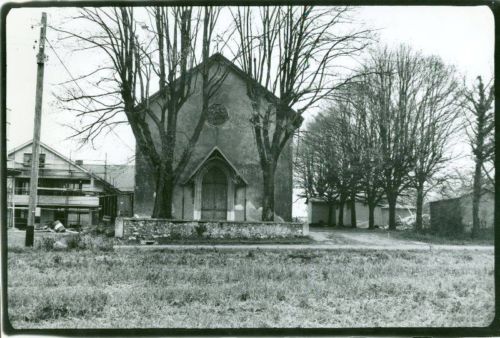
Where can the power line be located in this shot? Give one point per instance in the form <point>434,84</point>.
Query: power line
<point>73,79</point>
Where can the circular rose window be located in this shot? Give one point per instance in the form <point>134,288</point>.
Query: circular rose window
<point>217,114</point>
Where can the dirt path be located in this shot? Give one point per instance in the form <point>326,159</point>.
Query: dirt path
<point>375,238</point>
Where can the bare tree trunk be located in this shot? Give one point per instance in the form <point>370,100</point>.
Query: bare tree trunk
<point>420,206</point>
<point>164,193</point>
<point>341,213</point>
<point>371,215</point>
<point>479,101</point>
<point>476,196</point>
<point>391,200</point>
<point>353,211</point>
<point>331,217</point>
<point>268,198</point>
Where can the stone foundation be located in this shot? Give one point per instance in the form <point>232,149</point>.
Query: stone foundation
<point>151,229</point>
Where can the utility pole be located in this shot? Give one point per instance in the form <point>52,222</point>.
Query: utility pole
<point>35,152</point>
<point>106,166</point>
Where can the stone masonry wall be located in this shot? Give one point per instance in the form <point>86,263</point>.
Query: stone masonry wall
<point>150,229</point>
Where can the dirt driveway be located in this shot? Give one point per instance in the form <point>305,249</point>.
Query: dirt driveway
<point>359,237</point>
<point>364,238</point>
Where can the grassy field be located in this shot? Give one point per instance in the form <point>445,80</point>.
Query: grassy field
<point>243,288</point>
<point>485,238</point>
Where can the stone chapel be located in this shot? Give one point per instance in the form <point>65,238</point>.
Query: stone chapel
<point>223,179</point>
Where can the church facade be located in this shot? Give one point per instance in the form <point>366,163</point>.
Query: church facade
<point>223,178</point>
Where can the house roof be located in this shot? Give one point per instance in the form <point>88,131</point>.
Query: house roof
<point>218,57</point>
<point>122,176</point>
<point>380,204</point>
<point>399,206</point>
<point>215,152</point>
<point>323,200</point>
<point>64,158</point>
<point>483,191</point>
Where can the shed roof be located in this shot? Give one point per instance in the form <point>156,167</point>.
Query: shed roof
<point>122,176</point>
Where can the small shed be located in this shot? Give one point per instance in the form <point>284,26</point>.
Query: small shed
<point>454,215</point>
<point>318,213</point>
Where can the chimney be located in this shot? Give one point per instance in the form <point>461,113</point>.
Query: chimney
<point>79,162</point>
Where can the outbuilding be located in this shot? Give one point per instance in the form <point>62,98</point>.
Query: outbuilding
<point>322,213</point>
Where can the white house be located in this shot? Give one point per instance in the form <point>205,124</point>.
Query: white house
<point>66,191</point>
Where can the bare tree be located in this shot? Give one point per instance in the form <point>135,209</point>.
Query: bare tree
<point>316,166</point>
<point>456,183</point>
<point>290,51</point>
<point>437,123</point>
<point>479,101</point>
<point>162,55</point>
<point>395,79</point>
<point>328,161</point>
<point>341,120</point>
<point>368,151</point>
<point>399,113</point>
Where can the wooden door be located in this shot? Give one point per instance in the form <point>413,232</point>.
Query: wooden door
<point>214,195</point>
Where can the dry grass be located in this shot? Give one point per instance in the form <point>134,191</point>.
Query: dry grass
<point>486,237</point>
<point>242,288</point>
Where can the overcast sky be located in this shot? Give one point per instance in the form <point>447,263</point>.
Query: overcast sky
<point>462,36</point>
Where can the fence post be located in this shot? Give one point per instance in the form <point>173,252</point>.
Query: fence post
<point>119,227</point>
<point>305,228</point>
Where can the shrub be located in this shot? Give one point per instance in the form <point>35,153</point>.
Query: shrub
<point>82,242</point>
<point>56,259</point>
<point>200,228</point>
<point>99,230</point>
<point>110,233</point>
<point>175,234</point>
<point>96,243</point>
<point>46,243</point>
<point>74,242</point>
<point>486,234</point>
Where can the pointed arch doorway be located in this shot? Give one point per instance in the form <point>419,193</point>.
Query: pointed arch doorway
<point>215,182</point>
<point>214,194</point>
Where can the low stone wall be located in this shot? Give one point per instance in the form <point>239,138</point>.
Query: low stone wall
<point>150,229</point>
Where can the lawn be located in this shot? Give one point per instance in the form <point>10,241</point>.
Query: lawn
<point>485,238</point>
<point>249,288</point>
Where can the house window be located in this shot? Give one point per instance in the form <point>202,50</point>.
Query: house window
<point>22,187</point>
<point>27,160</point>
<point>73,185</point>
